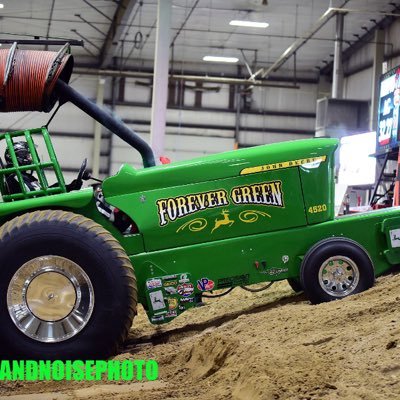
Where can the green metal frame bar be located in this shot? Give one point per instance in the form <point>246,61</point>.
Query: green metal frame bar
<point>53,158</point>
<point>37,166</point>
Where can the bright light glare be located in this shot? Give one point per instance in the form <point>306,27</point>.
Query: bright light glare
<point>356,165</point>
<point>1,5</point>
<point>221,59</point>
<point>249,24</point>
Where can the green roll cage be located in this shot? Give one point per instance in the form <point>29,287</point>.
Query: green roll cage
<point>37,166</point>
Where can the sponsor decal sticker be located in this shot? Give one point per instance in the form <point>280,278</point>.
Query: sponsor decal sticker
<point>205,284</point>
<point>160,312</point>
<point>171,314</point>
<point>170,290</point>
<point>172,303</point>
<point>184,278</point>
<point>157,300</point>
<point>170,283</point>
<point>169,277</point>
<point>186,300</point>
<point>157,318</point>
<point>395,237</point>
<point>185,289</point>
<point>153,283</point>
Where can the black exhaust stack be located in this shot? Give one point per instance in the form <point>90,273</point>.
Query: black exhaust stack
<point>105,118</point>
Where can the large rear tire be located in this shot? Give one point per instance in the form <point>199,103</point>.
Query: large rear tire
<point>67,288</point>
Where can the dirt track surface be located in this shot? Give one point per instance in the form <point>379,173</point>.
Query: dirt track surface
<point>269,345</point>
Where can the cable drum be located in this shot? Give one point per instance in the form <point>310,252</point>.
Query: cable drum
<point>28,78</point>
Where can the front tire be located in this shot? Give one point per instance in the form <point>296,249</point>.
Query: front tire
<point>295,284</point>
<point>67,288</point>
<point>335,268</point>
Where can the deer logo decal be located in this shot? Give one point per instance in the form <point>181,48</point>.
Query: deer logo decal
<point>224,221</point>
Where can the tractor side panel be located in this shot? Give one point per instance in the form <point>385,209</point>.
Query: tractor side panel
<point>317,179</point>
<point>204,212</point>
<point>267,256</point>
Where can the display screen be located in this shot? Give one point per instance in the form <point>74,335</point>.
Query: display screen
<point>356,166</point>
<point>388,112</point>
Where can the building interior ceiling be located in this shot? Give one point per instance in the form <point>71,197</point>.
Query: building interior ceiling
<point>121,35</point>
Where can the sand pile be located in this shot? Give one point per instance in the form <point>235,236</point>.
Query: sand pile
<point>269,345</point>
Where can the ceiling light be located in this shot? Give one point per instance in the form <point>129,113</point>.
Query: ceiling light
<point>1,5</point>
<point>221,59</point>
<point>249,24</point>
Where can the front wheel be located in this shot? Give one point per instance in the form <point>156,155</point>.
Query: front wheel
<point>335,268</point>
<point>67,288</point>
<point>295,284</point>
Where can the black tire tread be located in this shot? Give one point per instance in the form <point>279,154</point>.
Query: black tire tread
<point>295,285</point>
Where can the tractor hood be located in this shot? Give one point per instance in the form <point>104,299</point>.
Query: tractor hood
<point>218,166</point>
<point>227,195</point>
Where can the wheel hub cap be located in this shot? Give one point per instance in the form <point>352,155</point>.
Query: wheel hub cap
<point>50,298</point>
<point>339,276</point>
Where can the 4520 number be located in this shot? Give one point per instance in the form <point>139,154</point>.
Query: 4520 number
<point>317,209</point>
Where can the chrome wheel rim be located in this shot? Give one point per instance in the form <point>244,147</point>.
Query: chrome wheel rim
<point>339,276</point>
<point>50,299</point>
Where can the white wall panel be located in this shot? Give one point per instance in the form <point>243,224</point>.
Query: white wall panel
<point>68,178</point>
<point>137,92</point>
<point>201,117</point>
<point>71,119</point>
<point>182,130</point>
<point>361,57</point>
<point>359,86</point>
<point>130,112</point>
<point>270,121</point>
<point>180,146</point>
<point>285,99</point>
<point>85,84</point>
<point>189,97</point>
<point>22,120</point>
<point>199,144</point>
<point>71,151</point>
<point>394,62</point>
<point>392,37</point>
<point>254,138</point>
<point>216,99</point>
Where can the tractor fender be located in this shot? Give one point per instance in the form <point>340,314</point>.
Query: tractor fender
<point>71,200</point>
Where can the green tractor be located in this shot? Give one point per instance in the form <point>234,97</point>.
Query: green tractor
<point>74,263</point>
